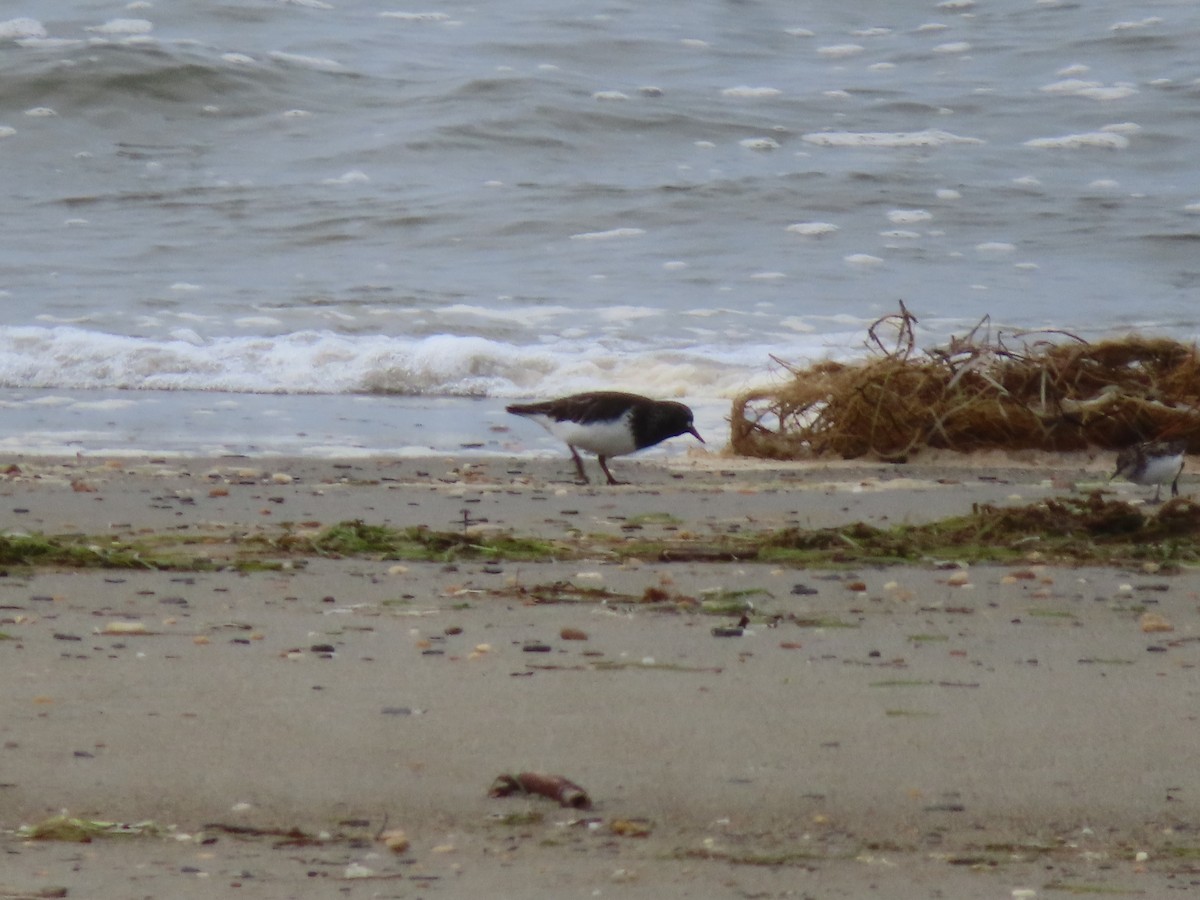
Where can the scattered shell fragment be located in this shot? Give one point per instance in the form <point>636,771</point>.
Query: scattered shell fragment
<point>1152,622</point>
<point>395,840</point>
<point>631,827</point>
<point>958,579</point>
<point>125,628</point>
<point>282,478</point>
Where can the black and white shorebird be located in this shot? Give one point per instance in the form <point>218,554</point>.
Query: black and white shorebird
<point>609,423</point>
<point>1153,462</point>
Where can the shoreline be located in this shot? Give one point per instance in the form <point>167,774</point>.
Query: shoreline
<point>908,727</point>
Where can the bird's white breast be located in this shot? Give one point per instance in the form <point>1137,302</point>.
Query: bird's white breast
<point>1160,469</point>
<point>602,438</point>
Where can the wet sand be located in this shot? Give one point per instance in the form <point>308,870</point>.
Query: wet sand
<point>913,731</point>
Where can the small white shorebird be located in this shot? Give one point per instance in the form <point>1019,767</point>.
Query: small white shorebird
<point>609,423</point>
<point>1153,462</point>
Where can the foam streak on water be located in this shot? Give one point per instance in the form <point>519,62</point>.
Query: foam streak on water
<point>525,199</point>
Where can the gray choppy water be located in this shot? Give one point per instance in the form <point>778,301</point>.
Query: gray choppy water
<point>523,199</point>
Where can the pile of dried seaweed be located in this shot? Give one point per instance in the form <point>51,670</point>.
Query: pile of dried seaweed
<point>1043,390</point>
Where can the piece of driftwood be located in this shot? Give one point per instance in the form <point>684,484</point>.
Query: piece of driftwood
<point>557,788</point>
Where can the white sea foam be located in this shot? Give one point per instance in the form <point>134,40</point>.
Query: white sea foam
<point>49,43</point>
<point>752,92</point>
<point>1110,92</point>
<point>995,248</point>
<point>21,28</point>
<point>1148,22</point>
<point>863,259</point>
<point>123,26</point>
<point>621,313</point>
<point>609,235</point>
<point>319,63</point>
<point>761,144</point>
<point>931,138</point>
<point>1099,139</point>
<point>418,17</point>
<point>797,324</point>
<point>1093,90</point>
<point>352,177</point>
<point>909,216</point>
<point>812,229</point>
<point>1068,86</point>
<point>840,51</point>
<point>73,358</point>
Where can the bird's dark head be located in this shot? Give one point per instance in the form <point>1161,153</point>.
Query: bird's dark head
<point>1127,463</point>
<point>677,419</point>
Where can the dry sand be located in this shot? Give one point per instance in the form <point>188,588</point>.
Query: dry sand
<point>905,732</point>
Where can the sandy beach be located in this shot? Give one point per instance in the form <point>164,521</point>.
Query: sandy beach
<point>910,732</point>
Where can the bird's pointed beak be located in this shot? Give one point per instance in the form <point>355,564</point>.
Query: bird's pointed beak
<point>694,433</point>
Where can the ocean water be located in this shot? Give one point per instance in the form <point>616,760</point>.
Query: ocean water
<point>330,226</point>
